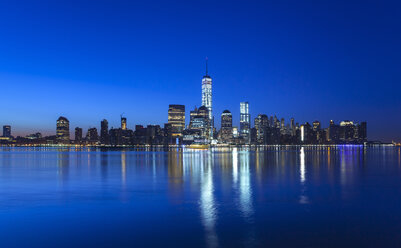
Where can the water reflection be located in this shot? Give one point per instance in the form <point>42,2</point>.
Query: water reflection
<point>303,199</point>
<point>207,201</point>
<point>241,190</point>
<point>302,165</point>
<point>123,168</point>
<point>63,162</point>
<point>235,166</point>
<point>245,186</point>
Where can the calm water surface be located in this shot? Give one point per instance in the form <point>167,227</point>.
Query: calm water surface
<point>284,197</point>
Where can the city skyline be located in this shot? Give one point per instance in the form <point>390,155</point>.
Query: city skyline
<point>281,60</point>
<point>201,131</point>
<point>202,122</point>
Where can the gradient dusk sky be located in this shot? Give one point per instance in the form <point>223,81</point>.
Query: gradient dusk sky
<point>89,60</point>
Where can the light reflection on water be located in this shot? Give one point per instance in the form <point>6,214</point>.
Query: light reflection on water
<point>208,198</point>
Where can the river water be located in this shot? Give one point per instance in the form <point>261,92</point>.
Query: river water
<point>344,196</point>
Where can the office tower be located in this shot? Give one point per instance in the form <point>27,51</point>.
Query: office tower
<point>63,130</point>
<point>302,128</point>
<point>104,132</point>
<point>362,132</point>
<point>333,132</point>
<point>245,119</point>
<point>276,123</point>
<point>282,125</point>
<point>200,122</point>
<point>316,126</point>
<point>346,131</point>
<point>226,126</point>
<point>235,132</point>
<point>305,134</point>
<point>7,131</point>
<point>123,123</point>
<point>207,98</point>
<point>192,115</point>
<point>176,117</point>
<point>78,134</point>
<point>92,135</point>
<point>261,125</point>
<point>271,121</point>
<point>292,127</point>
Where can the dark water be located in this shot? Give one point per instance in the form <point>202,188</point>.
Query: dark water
<point>288,197</point>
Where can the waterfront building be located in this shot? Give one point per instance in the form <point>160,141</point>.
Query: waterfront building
<point>361,133</point>
<point>316,126</point>
<point>104,132</point>
<point>78,134</point>
<point>34,136</point>
<point>63,130</point>
<point>115,136</point>
<point>199,125</point>
<point>332,132</point>
<point>292,127</point>
<point>245,119</point>
<point>176,117</point>
<point>261,125</point>
<point>347,131</point>
<point>123,123</point>
<point>7,131</point>
<point>92,135</point>
<point>226,131</point>
<point>235,132</point>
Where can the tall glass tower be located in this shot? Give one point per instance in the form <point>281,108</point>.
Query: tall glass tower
<point>245,121</point>
<point>207,97</point>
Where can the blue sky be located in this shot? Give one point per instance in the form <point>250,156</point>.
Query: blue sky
<point>89,60</point>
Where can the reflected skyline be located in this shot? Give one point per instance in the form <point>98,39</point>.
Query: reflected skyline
<point>217,195</point>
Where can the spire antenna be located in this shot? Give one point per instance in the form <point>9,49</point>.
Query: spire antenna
<point>206,65</point>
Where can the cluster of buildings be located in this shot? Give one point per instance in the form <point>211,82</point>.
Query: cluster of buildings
<point>201,129</point>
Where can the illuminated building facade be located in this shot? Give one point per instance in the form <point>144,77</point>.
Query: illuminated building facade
<point>207,98</point>
<point>245,121</point>
<point>200,123</point>
<point>226,131</point>
<point>63,130</point>
<point>176,117</point>
<point>7,131</point>
<point>261,126</point>
<point>235,132</point>
<point>123,123</point>
<point>316,126</point>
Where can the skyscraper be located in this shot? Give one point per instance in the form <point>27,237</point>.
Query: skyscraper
<point>63,130</point>
<point>261,125</point>
<point>316,126</point>
<point>226,126</point>
<point>176,117</point>
<point>104,132</point>
<point>207,97</point>
<point>7,131</point>
<point>292,127</point>
<point>123,123</point>
<point>92,135</point>
<point>78,134</point>
<point>200,122</point>
<point>245,121</point>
